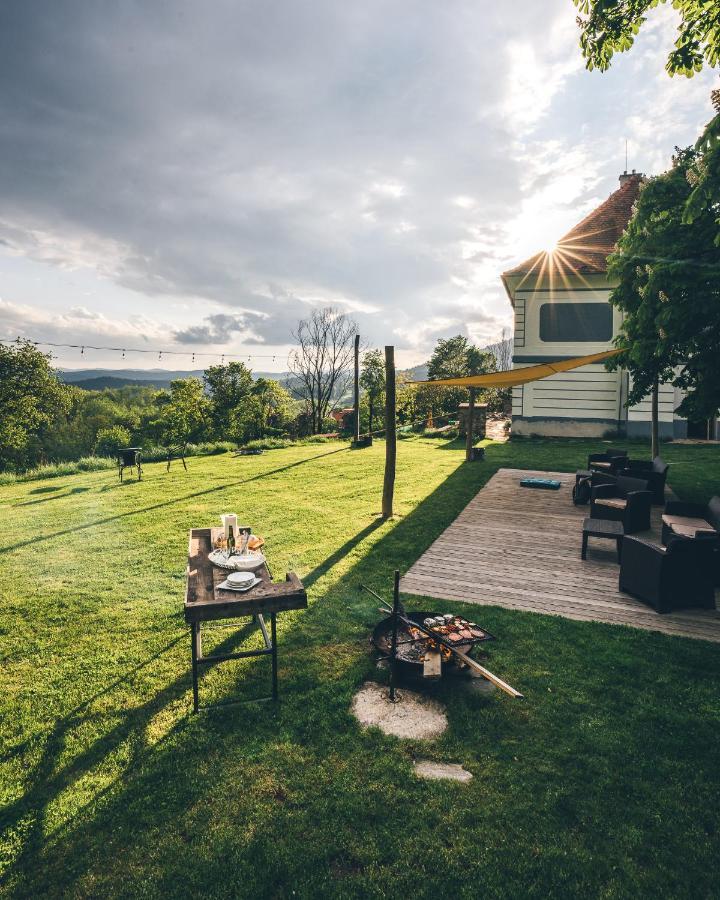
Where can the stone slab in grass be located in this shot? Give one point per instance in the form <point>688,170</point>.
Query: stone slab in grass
<point>413,716</point>
<point>428,768</point>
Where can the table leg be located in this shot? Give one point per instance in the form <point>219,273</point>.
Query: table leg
<point>273,638</point>
<point>196,651</point>
<point>619,549</point>
<point>583,553</point>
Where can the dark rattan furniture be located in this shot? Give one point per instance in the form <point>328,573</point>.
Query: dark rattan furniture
<point>627,500</point>
<point>678,576</point>
<point>655,473</point>
<point>602,528</point>
<point>129,458</point>
<point>609,460</point>
<point>687,519</point>
<point>176,452</point>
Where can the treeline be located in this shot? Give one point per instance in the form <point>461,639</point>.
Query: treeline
<point>44,420</point>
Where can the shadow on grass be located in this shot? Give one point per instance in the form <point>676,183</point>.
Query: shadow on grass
<point>75,490</point>
<point>166,503</point>
<point>56,863</point>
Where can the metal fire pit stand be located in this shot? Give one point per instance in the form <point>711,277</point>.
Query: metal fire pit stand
<point>205,601</point>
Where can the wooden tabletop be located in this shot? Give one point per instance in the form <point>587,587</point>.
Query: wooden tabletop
<point>204,600</point>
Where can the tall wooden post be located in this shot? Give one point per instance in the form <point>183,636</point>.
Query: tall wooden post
<point>470,427</point>
<point>390,434</point>
<point>356,436</point>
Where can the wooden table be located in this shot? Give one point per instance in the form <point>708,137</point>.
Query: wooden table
<point>205,601</point>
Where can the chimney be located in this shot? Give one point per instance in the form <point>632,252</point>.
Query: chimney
<point>631,176</point>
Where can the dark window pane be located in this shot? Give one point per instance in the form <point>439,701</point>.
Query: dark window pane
<point>575,322</point>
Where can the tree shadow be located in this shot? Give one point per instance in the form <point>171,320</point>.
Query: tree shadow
<point>46,490</point>
<point>75,490</point>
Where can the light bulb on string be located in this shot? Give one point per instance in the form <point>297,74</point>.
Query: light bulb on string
<point>123,356</point>
<point>82,351</point>
<point>160,355</point>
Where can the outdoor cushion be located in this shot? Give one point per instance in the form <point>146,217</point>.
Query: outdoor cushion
<point>615,502</point>
<point>604,465</point>
<point>688,531</point>
<point>687,523</point>
<point>542,483</point>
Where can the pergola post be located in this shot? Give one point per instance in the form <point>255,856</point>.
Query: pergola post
<point>356,436</point>
<point>390,434</point>
<point>470,427</point>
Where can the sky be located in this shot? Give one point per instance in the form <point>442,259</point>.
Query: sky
<point>197,177</point>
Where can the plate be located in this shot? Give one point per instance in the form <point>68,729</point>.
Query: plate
<point>248,562</point>
<point>226,586</point>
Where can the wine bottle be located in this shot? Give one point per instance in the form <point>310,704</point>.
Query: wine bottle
<point>231,541</point>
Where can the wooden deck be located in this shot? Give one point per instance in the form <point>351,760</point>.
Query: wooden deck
<point>520,549</point>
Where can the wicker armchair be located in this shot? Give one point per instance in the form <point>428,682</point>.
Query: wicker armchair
<point>654,472</point>
<point>627,500</point>
<point>674,577</point>
<point>609,461</point>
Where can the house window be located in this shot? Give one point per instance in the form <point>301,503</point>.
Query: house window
<point>576,322</point>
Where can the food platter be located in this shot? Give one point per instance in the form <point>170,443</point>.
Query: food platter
<point>239,562</point>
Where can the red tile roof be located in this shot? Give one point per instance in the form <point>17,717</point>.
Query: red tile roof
<point>586,247</point>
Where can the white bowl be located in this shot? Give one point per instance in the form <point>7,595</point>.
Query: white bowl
<point>246,562</point>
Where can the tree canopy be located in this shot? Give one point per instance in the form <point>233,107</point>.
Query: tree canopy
<point>668,274</point>
<point>610,26</point>
<point>372,381</point>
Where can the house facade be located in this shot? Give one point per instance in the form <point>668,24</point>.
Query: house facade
<point>562,310</point>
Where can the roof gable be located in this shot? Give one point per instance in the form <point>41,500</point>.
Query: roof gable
<point>585,248</point>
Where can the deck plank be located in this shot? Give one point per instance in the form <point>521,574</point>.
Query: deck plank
<point>520,549</point>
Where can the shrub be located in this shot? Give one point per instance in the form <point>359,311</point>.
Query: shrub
<point>109,440</point>
<point>94,464</point>
<point>271,443</point>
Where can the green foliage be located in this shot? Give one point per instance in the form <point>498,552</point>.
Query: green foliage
<point>227,386</point>
<point>31,397</point>
<point>372,382</point>
<point>185,412</point>
<point>110,440</point>
<point>704,175</point>
<point>668,273</point>
<point>610,26</point>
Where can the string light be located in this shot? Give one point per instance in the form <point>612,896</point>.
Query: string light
<point>125,350</point>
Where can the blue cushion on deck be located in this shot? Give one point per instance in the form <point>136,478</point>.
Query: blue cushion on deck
<point>547,484</point>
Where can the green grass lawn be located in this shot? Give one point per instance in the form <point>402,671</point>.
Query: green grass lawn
<point>604,781</point>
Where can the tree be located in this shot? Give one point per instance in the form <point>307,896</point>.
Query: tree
<point>609,26</point>
<point>227,386</point>
<point>31,396</point>
<point>668,274</point>
<point>266,409</point>
<point>322,364</point>
<point>704,174</point>
<point>185,410</point>
<point>372,381</point>
<point>453,357</point>
<point>110,440</point>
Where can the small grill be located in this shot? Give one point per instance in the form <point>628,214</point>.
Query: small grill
<point>421,643</point>
<point>413,645</point>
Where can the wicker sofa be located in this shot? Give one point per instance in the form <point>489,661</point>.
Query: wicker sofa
<point>626,500</point>
<point>678,576</point>
<point>654,472</point>
<point>610,461</point>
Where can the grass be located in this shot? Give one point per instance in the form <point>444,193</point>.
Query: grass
<point>603,782</point>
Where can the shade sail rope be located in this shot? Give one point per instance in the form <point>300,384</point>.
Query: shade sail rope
<point>513,377</point>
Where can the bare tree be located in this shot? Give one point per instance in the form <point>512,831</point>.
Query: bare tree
<point>503,351</point>
<point>322,363</point>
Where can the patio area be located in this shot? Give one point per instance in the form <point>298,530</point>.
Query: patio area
<point>519,548</point>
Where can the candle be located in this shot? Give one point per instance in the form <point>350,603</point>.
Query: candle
<point>229,519</point>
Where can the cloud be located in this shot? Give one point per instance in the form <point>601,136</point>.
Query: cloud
<point>254,161</point>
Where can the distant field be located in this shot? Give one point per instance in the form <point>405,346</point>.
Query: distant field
<point>603,782</point>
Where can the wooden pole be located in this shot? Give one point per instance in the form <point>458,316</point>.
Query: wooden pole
<point>356,436</point>
<point>393,644</point>
<point>470,427</point>
<point>390,434</point>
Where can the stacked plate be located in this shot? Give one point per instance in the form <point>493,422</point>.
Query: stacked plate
<point>239,581</point>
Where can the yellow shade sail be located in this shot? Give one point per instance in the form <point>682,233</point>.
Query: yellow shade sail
<point>524,375</point>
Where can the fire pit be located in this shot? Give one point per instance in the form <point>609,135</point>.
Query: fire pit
<point>416,652</point>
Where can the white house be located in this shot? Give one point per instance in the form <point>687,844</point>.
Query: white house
<point>560,301</point>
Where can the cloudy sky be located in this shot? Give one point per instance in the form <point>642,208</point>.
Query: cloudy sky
<point>198,176</point>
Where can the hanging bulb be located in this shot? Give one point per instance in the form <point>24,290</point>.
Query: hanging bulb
<point>222,360</point>
<point>123,356</point>
<point>82,351</point>
<point>160,355</point>
<point>193,359</point>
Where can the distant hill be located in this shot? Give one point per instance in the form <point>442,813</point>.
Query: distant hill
<point>98,379</point>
